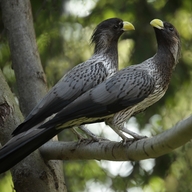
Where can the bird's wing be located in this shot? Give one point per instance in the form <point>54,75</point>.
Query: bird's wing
<point>80,79</point>
<point>22,145</point>
<point>123,90</point>
<point>129,87</point>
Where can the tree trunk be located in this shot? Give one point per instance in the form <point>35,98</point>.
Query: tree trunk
<point>30,78</point>
<point>33,173</point>
<point>10,115</point>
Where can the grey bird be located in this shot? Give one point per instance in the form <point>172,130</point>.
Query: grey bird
<point>84,76</point>
<point>127,92</point>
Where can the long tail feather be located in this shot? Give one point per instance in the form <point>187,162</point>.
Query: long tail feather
<point>22,145</point>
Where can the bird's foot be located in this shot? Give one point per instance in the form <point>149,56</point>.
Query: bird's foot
<point>126,140</point>
<point>133,134</point>
<point>120,130</point>
<point>90,134</point>
<point>79,136</point>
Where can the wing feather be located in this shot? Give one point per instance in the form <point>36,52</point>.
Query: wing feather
<point>80,79</point>
<point>123,90</point>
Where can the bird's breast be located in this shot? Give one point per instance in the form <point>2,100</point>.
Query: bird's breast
<point>151,99</point>
<point>81,121</point>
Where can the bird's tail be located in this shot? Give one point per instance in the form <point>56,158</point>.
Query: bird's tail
<point>22,145</point>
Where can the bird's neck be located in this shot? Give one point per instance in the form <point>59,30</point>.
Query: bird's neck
<point>109,52</point>
<point>168,56</point>
<point>164,63</point>
<point>105,46</point>
<point>172,47</point>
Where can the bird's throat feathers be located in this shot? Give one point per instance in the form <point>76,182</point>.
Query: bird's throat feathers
<point>170,55</point>
<point>171,46</point>
<point>104,46</point>
<point>176,51</point>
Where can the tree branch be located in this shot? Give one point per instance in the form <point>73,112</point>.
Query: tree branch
<point>115,151</point>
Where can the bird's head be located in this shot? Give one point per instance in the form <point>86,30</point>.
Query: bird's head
<point>167,37</point>
<point>108,32</point>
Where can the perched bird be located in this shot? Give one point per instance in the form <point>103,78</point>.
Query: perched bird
<point>127,92</point>
<point>84,76</point>
<point>149,80</point>
<point>81,78</point>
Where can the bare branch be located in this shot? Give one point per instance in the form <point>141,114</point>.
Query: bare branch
<point>107,150</point>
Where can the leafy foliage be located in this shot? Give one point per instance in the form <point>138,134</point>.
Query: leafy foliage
<point>63,41</point>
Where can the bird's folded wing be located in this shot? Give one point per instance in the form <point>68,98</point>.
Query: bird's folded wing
<point>71,86</point>
<point>123,90</point>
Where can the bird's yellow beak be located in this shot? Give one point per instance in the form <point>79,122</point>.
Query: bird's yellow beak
<point>157,23</point>
<point>128,26</point>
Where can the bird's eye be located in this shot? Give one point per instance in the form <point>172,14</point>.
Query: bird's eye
<point>118,26</point>
<point>171,29</point>
<point>115,26</point>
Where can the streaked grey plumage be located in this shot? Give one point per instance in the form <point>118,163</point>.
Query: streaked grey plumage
<point>80,79</point>
<point>160,67</point>
<point>130,90</point>
<point>127,92</point>
<point>84,76</point>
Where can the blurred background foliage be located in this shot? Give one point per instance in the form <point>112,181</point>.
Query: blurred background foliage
<point>63,29</point>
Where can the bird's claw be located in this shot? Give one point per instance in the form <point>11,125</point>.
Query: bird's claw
<point>78,135</point>
<point>133,134</point>
<point>127,140</point>
<point>90,134</point>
